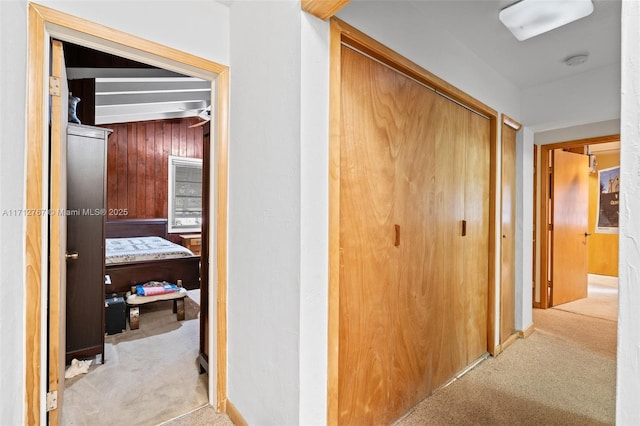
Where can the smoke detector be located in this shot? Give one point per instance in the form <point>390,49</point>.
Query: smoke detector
<point>576,60</point>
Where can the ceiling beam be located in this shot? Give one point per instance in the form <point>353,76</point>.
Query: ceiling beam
<point>323,9</point>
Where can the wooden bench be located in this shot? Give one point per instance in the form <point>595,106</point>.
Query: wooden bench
<point>134,301</point>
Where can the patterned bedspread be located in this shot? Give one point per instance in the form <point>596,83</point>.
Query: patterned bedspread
<point>134,249</point>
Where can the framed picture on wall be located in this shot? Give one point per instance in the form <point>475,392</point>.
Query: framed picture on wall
<point>608,200</point>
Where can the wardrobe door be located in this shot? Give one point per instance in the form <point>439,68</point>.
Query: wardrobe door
<point>415,318</point>
<point>86,177</point>
<point>408,301</point>
<point>369,257</point>
<point>476,250</point>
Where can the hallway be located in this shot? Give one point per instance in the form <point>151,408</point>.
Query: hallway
<point>563,374</point>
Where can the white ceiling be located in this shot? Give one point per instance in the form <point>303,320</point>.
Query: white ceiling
<point>538,60</point>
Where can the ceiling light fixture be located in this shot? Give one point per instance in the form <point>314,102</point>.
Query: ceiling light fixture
<point>529,18</point>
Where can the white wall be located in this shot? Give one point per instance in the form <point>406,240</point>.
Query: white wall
<point>524,227</point>
<point>314,228</point>
<point>628,377</point>
<point>584,131</point>
<point>589,97</point>
<point>264,211</point>
<point>13,47</point>
<point>197,27</point>
<point>194,26</point>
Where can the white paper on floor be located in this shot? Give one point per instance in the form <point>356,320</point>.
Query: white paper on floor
<point>77,367</point>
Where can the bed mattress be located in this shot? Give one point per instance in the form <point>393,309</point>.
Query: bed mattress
<point>137,249</point>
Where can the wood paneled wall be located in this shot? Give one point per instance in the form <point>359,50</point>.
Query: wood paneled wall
<point>137,164</point>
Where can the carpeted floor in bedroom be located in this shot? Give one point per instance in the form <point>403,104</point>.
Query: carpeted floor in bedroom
<point>150,375</point>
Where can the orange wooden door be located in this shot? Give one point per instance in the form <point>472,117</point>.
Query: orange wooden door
<point>476,251</point>
<point>369,162</point>
<point>570,201</point>
<point>413,289</point>
<point>508,241</point>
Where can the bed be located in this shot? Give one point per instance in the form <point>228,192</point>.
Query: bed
<point>128,268</point>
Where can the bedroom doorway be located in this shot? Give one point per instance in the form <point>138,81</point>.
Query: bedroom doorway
<point>45,24</point>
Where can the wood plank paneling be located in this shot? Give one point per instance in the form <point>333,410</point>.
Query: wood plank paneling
<point>137,164</point>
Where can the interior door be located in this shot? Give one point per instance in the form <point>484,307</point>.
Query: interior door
<point>508,242</point>
<point>57,228</point>
<point>570,203</point>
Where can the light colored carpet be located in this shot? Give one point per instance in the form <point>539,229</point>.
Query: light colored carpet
<point>563,374</point>
<point>537,381</point>
<point>602,301</point>
<point>202,416</point>
<point>150,374</point>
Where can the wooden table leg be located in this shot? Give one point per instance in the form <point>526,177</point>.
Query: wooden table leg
<point>134,316</point>
<point>179,307</point>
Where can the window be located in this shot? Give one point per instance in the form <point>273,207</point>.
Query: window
<point>185,194</point>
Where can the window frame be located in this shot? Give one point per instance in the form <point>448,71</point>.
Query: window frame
<point>173,162</point>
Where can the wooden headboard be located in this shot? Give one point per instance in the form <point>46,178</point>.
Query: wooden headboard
<point>136,228</point>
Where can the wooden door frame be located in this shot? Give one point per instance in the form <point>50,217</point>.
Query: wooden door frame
<point>44,23</point>
<point>544,204</point>
<point>340,32</point>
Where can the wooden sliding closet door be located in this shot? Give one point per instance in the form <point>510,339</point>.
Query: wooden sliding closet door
<point>413,289</point>
<point>476,213</point>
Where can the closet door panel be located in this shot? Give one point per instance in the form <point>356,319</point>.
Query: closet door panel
<point>369,259</point>
<point>476,262</point>
<point>414,345</point>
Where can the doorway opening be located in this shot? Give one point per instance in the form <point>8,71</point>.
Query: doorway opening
<point>153,117</point>
<point>594,155</point>
<point>44,25</point>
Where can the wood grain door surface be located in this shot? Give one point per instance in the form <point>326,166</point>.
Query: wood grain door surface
<point>570,189</point>
<point>508,241</point>
<point>413,290</point>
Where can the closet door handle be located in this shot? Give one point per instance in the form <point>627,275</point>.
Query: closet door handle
<point>397,240</point>
<point>464,228</point>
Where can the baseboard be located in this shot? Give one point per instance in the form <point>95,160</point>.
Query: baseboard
<point>510,341</point>
<point>496,351</point>
<point>235,415</point>
<point>523,334</point>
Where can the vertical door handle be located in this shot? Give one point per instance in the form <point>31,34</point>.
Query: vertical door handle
<point>464,228</point>
<point>397,240</point>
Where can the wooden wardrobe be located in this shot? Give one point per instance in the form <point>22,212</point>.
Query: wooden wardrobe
<point>86,202</point>
<point>414,240</point>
